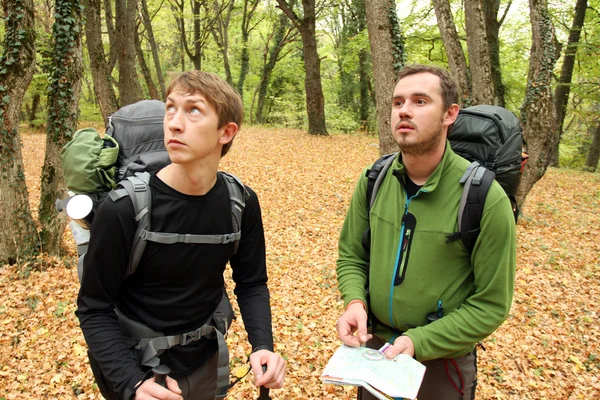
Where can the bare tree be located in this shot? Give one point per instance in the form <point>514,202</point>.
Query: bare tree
<point>149,31</point>
<point>456,56</point>
<point>563,88</point>
<point>152,89</point>
<point>247,26</point>
<point>220,31</point>
<point>201,28</point>
<point>591,162</point>
<point>103,87</point>
<point>130,90</point>
<point>63,100</point>
<point>315,101</point>
<point>379,27</point>
<point>538,113</point>
<point>281,35</point>
<point>18,235</point>
<point>491,9</point>
<point>479,54</point>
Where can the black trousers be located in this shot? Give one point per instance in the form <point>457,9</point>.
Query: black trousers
<point>199,385</point>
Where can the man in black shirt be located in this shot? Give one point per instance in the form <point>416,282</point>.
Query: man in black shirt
<point>177,287</point>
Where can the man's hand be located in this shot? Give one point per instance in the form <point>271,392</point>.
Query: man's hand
<point>402,345</point>
<point>275,373</point>
<point>150,390</point>
<point>353,320</point>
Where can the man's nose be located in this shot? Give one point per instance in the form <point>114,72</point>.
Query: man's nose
<point>405,111</point>
<point>176,122</point>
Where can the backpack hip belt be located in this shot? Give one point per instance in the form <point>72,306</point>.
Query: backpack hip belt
<point>152,344</point>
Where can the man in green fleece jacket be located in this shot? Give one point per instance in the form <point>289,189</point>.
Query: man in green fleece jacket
<point>427,296</point>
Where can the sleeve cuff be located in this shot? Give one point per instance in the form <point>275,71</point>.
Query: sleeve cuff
<point>356,301</point>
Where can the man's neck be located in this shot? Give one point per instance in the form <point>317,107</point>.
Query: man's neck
<point>194,180</point>
<point>420,167</point>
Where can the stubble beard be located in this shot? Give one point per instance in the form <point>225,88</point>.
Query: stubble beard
<point>426,145</point>
<point>420,148</point>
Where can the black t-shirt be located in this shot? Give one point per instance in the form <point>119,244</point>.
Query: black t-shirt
<point>176,287</point>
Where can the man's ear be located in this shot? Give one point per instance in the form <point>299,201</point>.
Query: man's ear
<point>229,131</point>
<point>451,114</point>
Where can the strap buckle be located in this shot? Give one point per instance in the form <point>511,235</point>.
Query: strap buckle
<point>228,238</point>
<point>189,337</point>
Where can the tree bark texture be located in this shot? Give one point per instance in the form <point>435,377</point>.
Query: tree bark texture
<point>220,33</point>
<point>538,113</point>
<point>130,90</point>
<point>18,233</point>
<point>281,36</point>
<point>150,35</point>
<point>563,89</point>
<point>380,39</point>
<point>591,162</point>
<point>152,89</point>
<point>246,27</point>
<point>492,27</point>
<point>103,87</point>
<point>479,55</point>
<point>456,56</point>
<point>315,101</point>
<point>63,100</point>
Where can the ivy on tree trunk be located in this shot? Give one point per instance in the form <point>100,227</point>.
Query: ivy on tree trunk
<point>18,234</point>
<point>63,98</point>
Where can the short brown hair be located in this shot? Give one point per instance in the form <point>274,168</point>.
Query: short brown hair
<point>447,83</point>
<point>218,93</point>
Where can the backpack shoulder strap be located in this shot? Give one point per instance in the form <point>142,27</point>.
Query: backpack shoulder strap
<point>237,199</point>
<point>137,187</point>
<point>375,176</point>
<point>477,181</point>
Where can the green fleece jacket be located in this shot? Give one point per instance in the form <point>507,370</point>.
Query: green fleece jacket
<point>413,268</point>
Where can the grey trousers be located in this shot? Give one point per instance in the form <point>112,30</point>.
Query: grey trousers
<point>445,379</point>
<point>202,383</point>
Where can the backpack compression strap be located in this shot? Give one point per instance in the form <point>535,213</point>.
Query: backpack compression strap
<point>477,181</point>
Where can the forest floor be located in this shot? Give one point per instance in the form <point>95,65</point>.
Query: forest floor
<point>547,349</point>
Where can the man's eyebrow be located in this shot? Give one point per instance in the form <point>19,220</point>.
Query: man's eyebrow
<point>189,100</point>
<point>415,94</point>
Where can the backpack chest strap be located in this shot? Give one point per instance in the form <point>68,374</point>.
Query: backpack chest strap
<point>172,238</point>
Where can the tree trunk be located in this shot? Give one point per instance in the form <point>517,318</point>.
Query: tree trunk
<point>538,113</point>
<point>281,36</point>
<point>112,35</point>
<point>380,38</point>
<point>479,55</point>
<point>35,102</point>
<point>63,99</point>
<point>456,56</point>
<point>18,234</point>
<point>220,32</point>
<point>492,27</point>
<point>315,102</point>
<point>152,90</point>
<point>249,9</point>
<point>130,90</point>
<point>591,162</point>
<point>103,87</point>
<point>561,93</point>
<point>150,32</point>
